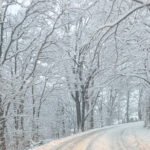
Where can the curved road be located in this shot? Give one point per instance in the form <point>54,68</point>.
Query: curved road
<point>122,137</point>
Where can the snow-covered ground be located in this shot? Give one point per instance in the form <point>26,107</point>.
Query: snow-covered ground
<point>132,136</point>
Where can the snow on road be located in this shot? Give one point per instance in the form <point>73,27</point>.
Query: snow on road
<point>132,136</point>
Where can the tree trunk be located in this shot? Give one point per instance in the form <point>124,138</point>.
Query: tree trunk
<point>119,112</point>
<point>109,120</point>
<point>16,124</point>
<point>2,127</point>
<point>92,120</point>
<point>21,108</point>
<point>147,118</point>
<point>63,121</point>
<point>78,112</point>
<point>83,115</point>
<point>1,27</point>
<point>127,107</point>
<point>147,115</point>
<point>19,124</point>
<point>140,105</point>
<point>2,133</point>
<point>101,113</point>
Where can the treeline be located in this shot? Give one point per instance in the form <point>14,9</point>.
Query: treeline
<point>68,66</point>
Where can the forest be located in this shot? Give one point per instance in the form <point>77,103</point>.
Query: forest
<point>68,66</point>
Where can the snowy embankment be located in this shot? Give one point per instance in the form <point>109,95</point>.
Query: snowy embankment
<point>132,136</point>
<point>55,143</point>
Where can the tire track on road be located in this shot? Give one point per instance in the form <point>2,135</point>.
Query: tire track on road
<point>121,142</point>
<point>94,140</point>
<point>139,142</point>
<point>73,142</point>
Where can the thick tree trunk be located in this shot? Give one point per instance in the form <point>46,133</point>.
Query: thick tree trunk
<point>100,107</point>
<point>139,111</point>
<point>84,101</point>
<point>147,118</point>
<point>78,113</point>
<point>63,121</point>
<point>147,114</point>
<point>16,125</point>
<point>21,109</point>
<point>101,113</point>
<point>34,135</point>
<point>2,127</point>
<point>19,125</point>
<point>92,120</point>
<point>140,105</point>
<point>83,115</point>
<point>2,133</point>
<point>109,120</point>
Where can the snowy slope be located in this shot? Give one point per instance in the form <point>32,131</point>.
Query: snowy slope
<point>132,136</point>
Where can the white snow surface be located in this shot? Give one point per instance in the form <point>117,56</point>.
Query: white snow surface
<point>132,136</point>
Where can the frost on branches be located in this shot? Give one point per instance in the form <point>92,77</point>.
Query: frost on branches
<point>68,66</point>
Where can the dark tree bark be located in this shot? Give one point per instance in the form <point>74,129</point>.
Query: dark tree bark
<point>147,114</point>
<point>83,116</point>
<point>2,127</point>
<point>92,119</point>
<point>140,105</point>
<point>78,114</point>
<point>128,107</point>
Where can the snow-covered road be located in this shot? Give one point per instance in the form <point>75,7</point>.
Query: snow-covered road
<point>130,136</point>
